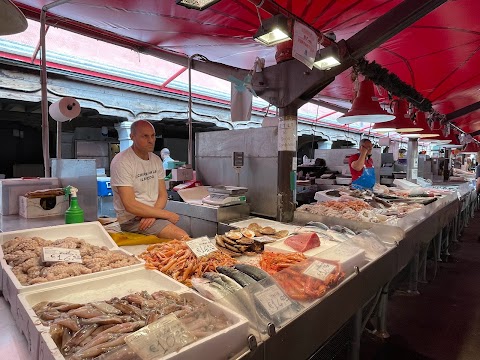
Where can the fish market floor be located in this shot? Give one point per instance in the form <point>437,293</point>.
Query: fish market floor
<point>443,322</point>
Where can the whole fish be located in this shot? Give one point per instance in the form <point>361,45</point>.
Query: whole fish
<point>252,271</point>
<point>343,230</point>
<point>209,289</point>
<point>318,224</point>
<point>238,276</point>
<point>223,280</point>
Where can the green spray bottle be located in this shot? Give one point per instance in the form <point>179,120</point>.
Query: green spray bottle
<point>74,213</point>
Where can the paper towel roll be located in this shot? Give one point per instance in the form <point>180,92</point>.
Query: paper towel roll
<point>64,109</point>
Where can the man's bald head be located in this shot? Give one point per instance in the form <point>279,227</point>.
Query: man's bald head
<point>144,124</point>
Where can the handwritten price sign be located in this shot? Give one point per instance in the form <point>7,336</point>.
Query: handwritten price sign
<point>319,270</point>
<point>53,254</point>
<point>273,299</point>
<point>201,246</point>
<point>159,338</point>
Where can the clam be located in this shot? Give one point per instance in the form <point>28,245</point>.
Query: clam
<point>267,230</point>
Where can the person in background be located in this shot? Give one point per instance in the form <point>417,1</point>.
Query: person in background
<point>139,193</point>
<point>165,155</point>
<point>361,166</point>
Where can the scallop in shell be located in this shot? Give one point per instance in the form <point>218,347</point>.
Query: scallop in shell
<point>267,230</point>
<point>234,234</point>
<point>248,233</point>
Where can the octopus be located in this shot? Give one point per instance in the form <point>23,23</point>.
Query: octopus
<point>24,255</point>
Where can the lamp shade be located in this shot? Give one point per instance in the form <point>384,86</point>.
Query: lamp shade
<point>12,20</point>
<point>197,4</point>
<point>365,108</point>
<point>273,31</point>
<point>426,132</point>
<point>401,123</point>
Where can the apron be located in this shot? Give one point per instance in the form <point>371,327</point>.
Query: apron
<point>366,180</point>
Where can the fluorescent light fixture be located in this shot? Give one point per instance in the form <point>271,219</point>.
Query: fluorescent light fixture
<point>273,31</point>
<point>327,58</point>
<point>197,4</point>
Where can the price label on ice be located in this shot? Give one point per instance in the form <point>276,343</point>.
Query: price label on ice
<point>273,299</point>
<point>201,246</point>
<point>319,270</point>
<point>159,338</point>
<point>53,254</point>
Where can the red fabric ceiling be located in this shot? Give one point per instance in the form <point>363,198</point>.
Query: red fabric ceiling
<point>438,55</point>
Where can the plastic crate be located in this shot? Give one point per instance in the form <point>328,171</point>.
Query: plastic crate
<point>103,186</point>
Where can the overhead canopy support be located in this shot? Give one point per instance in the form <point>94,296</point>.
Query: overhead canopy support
<point>463,111</point>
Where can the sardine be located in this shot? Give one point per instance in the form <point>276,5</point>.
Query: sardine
<point>252,271</point>
<point>238,276</point>
<point>342,229</point>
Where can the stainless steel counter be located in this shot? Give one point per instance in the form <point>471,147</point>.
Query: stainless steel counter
<point>16,222</point>
<point>305,334</point>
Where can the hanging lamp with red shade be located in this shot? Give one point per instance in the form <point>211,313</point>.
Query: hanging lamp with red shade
<point>365,108</point>
<point>426,133</point>
<point>401,123</point>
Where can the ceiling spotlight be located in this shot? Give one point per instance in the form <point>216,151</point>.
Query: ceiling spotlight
<point>273,31</point>
<point>327,58</point>
<point>197,4</point>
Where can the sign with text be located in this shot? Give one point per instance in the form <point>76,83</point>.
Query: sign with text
<point>54,254</point>
<point>201,246</point>
<point>304,44</point>
<point>273,299</point>
<point>159,338</point>
<point>287,133</point>
<point>319,270</point>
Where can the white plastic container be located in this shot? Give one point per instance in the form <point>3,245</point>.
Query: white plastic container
<point>217,346</point>
<point>281,247</point>
<point>347,256</point>
<point>32,208</point>
<point>92,232</point>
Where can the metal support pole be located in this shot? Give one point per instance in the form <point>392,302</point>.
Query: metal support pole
<point>447,239</point>
<point>423,264</point>
<point>59,140</point>
<point>356,335</point>
<point>382,314</point>
<point>190,126</point>
<point>439,245</point>
<point>287,163</point>
<point>412,160</point>
<point>413,278</point>
<point>43,83</point>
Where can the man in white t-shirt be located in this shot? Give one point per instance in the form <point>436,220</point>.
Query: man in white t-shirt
<point>139,193</point>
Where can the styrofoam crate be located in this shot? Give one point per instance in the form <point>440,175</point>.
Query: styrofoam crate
<point>265,222</point>
<point>281,247</point>
<point>217,346</point>
<point>93,233</point>
<point>347,256</point>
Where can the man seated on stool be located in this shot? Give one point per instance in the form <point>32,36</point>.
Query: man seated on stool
<point>139,193</point>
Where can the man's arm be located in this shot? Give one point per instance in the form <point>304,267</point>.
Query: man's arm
<point>127,195</point>
<point>162,195</point>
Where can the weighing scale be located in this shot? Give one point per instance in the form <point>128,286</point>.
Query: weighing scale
<point>221,195</point>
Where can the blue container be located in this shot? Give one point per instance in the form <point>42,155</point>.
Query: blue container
<point>103,186</point>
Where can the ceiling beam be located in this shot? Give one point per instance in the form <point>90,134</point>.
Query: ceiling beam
<point>463,111</point>
<point>328,105</point>
<point>31,107</point>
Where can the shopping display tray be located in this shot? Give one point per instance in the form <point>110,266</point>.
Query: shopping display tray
<point>92,232</point>
<point>220,345</point>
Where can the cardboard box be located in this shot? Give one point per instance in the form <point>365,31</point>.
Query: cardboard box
<point>42,207</point>
<point>11,189</point>
<point>182,174</point>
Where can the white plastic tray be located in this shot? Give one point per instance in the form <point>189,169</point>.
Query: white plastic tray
<point>281,247</point>
<point>93,233</point>
<point>347,256</point>
<point>265,222</point>
<point>217,346</point>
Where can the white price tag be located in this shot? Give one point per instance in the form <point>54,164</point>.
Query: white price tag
<point>201,246</point>
<point>159,338</point>
<point>273,299</point>
<point>54,254</point>
<point>319,270</point>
